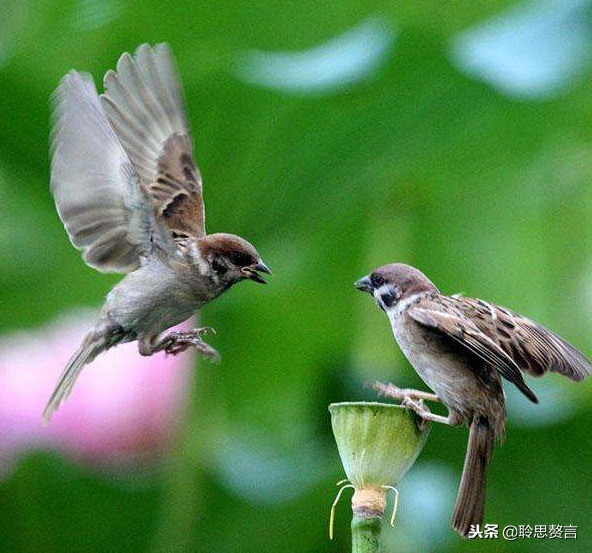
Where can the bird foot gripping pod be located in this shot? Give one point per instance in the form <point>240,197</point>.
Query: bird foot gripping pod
<point>378,443</point>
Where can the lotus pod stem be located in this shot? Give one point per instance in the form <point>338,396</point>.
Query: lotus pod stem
<point>378,443</point>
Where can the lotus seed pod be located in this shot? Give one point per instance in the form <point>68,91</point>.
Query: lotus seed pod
<point>377,442</point>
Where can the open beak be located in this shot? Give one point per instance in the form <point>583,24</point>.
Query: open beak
<point>364,284</point>
<point>252,272</point>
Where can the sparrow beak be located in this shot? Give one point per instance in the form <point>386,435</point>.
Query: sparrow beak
<point>251,272</point>
<point>364,285</point>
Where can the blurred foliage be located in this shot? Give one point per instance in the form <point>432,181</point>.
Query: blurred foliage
<point>488,195</point>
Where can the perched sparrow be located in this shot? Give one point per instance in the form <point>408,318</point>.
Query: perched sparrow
<point>461,347</point>
<point>129,193</point>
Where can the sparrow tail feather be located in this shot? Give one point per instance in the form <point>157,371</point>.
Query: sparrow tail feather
<point>93,344</point>
<point>470,502</point>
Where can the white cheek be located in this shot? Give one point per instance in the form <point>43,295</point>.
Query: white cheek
<point>386,289</point>
<point>202,266</point>
<point>378,292</point>
<point>205,269</point>
<point>400,307</point>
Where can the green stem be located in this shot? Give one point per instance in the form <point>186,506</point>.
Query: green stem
<point>366,534</point>
<point>368,506</point>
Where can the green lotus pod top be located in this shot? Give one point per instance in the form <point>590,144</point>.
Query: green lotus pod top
<point>377,442</point>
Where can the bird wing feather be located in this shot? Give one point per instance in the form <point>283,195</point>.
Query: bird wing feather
<point>535,348</point>
<point>144,103</point>
<point>451,322</point>
<point>95,184</point>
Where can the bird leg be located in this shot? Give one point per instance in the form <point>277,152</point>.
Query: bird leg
<point>177,342</point>
<point>421,410</point>
<point>390,390</point>
<point>413,400</point>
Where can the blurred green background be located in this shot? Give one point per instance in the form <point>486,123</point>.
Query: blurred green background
<point>336,137</point>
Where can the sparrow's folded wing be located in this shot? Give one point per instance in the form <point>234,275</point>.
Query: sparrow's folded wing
<point>144,102</point>
<point>534,348</point>
<point>453,324</point>
<point>94,183</point>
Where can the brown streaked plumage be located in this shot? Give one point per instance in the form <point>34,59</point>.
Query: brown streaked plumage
<point>461,347</point>
<point>176,192</point>
<point>129,193</point>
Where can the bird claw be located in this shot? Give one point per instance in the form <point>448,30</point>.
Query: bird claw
<point>420,409</point>
<point>388,389</point>
<point>177,342</point>
<point>415,405</point>
<point>410,399</point>
<point>204,330</point>
<point>423,411</point>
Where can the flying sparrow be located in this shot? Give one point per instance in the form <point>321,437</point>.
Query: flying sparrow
<point>461,347</point>
<point>129,193</point>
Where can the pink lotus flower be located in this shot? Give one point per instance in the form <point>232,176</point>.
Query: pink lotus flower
<point>122,411</point>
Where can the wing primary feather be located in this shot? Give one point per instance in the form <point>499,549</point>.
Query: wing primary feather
<point>91,180</point>
<point>144,102</point>
<point>107,156</point>
<point>465,333</point>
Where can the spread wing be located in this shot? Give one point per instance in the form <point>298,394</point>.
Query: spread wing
<point>95,185</point>
<point>144,103</point>
<point>444,316</point>
<point>534,348</point>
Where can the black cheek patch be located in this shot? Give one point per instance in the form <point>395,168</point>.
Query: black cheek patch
<point>388,299</point>
<point>219,268</point>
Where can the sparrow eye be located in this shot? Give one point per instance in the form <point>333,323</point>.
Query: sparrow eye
<point>377,281</point>
<point>240,259</point>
